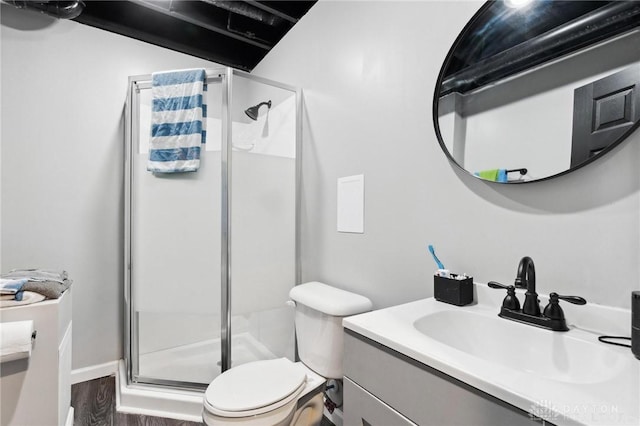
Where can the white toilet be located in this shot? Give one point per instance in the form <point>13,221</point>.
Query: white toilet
<point>281,392</point>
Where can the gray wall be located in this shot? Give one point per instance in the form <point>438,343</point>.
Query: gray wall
<point>368,86</point>
<point>368,70</point>
<point>63,91</point>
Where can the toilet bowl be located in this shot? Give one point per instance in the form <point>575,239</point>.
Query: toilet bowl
<point>265,393</point>
<point>281,392</point>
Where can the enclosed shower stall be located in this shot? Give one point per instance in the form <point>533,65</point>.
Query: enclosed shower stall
<point>210,256</point>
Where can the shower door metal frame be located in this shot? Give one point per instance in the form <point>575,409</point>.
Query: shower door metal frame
<point>226,75</point>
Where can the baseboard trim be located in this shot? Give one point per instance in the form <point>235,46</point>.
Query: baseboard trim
<point>94,372</point>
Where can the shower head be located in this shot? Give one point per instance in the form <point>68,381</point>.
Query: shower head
<point>252,112</point>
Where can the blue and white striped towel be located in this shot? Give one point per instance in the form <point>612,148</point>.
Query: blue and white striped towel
<point>178,116</point>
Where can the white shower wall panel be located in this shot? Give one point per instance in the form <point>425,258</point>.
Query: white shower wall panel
<point>176,239</point>
<point>262,231</point>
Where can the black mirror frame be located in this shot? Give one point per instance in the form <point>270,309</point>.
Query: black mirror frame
<point>436,123</point>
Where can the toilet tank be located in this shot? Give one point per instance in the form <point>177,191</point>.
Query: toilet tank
<point>319,312</point>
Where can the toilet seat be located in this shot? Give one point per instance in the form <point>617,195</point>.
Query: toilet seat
<point>255,388</point>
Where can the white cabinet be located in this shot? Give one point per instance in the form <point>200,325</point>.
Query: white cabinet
<point>37,391</point>
<point>383,387</point>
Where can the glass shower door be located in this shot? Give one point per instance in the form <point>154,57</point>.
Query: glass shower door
<point>175,256</point>
<point>263,219</point>
<point>214,253</point>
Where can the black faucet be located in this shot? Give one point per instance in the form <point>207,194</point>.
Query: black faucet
<point>527,279</point>
<point>552,318</point>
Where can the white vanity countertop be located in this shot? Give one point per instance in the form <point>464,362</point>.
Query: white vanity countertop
<point>580,381</point>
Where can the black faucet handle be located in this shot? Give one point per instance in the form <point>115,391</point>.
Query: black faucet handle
<point>576,300</point>
<point>495,284</point>
<point>554,311</point>
<point>510,301</point>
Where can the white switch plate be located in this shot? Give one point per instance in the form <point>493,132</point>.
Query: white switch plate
<point>351,204</point>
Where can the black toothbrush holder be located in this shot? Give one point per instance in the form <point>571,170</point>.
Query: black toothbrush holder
<point>454,289</point>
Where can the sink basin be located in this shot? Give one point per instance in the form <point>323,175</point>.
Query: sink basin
<point>568,378</point>
<point>557,356</point>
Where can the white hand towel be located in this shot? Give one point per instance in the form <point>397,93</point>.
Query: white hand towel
<point>15,340</point>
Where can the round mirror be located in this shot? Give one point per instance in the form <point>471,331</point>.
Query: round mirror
<point>534,89</point>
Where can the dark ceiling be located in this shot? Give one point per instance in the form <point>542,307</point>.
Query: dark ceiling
<point>233,33</point>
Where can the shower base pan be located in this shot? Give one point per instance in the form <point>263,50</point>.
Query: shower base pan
<point>195,363</point>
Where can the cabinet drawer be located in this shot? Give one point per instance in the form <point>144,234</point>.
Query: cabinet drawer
<point>365,409</point>
<point>422,394</point>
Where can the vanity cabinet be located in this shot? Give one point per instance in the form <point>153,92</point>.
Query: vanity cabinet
<point>36,391</point>
<point>383,387</point>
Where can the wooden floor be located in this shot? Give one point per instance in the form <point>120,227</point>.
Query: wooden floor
<point>94,404</point>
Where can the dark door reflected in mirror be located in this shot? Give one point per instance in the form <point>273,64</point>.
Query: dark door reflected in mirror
<point>533,90</point>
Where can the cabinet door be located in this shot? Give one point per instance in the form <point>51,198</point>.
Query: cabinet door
<point>367,410</point>
<point>424,395</point>
<point>64,376</point>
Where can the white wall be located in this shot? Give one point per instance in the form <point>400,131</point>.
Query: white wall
<point>368,70</point>
<point>63,91</point>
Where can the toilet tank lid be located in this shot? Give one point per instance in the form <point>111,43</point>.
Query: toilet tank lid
<point>329,300</point>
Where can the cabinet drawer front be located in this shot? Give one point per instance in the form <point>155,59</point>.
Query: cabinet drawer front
<point>365,409</point>
<point>424,395</point>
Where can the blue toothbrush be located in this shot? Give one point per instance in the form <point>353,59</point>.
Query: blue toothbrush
<point>433,253</point>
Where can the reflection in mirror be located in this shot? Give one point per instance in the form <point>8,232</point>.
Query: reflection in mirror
<point>531,92</point>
